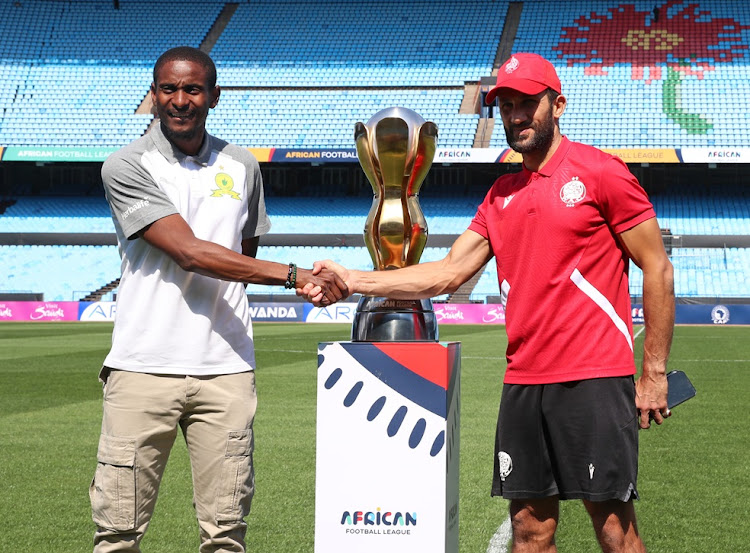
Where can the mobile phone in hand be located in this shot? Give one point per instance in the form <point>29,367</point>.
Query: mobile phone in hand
<point>680,389</point>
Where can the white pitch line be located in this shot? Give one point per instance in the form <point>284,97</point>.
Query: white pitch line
<point>501,539</point>
<point>640,330</point>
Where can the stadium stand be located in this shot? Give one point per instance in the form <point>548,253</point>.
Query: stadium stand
<point>57,59</point>
<point>278,94</point>
<point>701,272</point>
<point>57,215</point>
<point>377,44</point>
<point>637,104</point>
<point>328,117</point>
<point>39,268</point>
<point>300,74</point>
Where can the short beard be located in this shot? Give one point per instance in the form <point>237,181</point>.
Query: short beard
<point>544,134</point>
<point>180,136</point>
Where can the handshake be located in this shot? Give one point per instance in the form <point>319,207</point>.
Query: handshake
<point>377,317</point>
<point>328,283</point>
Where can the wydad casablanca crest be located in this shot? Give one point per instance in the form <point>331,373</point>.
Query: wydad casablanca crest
<point>395,149</point>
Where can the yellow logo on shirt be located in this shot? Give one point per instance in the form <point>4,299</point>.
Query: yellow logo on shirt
<point>225,184</point>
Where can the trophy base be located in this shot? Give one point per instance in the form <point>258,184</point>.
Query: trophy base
<point>380,319</point>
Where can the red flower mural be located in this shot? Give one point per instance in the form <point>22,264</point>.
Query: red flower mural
<point>677,36</point>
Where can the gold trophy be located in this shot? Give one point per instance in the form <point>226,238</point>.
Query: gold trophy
<point>395,149</point>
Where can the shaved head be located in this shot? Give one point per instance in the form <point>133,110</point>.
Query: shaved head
<point>188,53</point>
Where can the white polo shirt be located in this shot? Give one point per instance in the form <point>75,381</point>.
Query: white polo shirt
<point>171,321</point>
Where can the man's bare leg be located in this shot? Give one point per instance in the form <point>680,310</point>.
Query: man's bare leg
<point>534,524</point>
<point>615,526</point>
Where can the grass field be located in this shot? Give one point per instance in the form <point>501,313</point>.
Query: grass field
<point>694,479</point>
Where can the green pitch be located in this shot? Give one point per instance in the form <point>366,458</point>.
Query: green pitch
<point>695,469</point>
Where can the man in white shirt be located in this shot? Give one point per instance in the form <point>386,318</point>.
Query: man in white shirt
<point>188,209</point>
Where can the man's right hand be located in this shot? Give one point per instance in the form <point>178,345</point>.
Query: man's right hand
<point>315,293</point>
<point>324,284</point>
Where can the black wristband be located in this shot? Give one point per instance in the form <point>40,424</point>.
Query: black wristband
<point>291,277</point>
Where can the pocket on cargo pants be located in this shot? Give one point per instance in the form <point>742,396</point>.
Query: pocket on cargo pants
<point>237,483</point>
<point>112,490</point>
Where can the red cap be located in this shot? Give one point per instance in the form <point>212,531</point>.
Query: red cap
<point>527,73</point>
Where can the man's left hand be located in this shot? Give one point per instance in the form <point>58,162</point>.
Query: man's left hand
<point>651,398</point>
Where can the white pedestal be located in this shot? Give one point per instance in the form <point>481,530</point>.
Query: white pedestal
<point>387,447</point>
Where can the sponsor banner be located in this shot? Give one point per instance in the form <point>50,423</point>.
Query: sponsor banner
<point>105,311</point>
<point>260,312</point>
<point>97,311</point>
<point>442,155</point>
<point>715,155</point>
<point>628,155</point>
<point>719,314</point>
<point>277,312</point>
<point>478,313</point>
<point>309,155</point>
<point>712,314</point>
<point>646,155</point>
<point>472,313</point>
<point>471,155</point>
<point>392,483</point>
<point>29,153</point>
<point>42,311</point>
<point>336,313</point>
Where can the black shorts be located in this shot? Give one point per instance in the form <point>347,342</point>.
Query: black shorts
<point>576,440</point>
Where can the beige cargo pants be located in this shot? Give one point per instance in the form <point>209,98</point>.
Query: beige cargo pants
<point>141,417</point>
